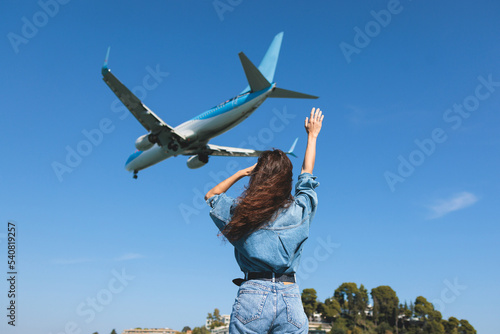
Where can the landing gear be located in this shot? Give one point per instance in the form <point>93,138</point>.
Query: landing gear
<point>135,174</point>
<point>173,146</point>
<point>153,138</point>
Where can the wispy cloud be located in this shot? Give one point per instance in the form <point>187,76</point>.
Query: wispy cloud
<point>129,256</point>
<point>456,202</point>
<point>71,261</point>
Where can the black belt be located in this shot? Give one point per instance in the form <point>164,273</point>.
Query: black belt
<point>265,276</point>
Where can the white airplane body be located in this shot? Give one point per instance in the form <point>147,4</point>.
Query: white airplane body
<point>205,129</point>
<point>192,137</point>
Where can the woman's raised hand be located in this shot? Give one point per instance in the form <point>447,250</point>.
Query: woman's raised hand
<point>313,123</point>
<point>313,127</point>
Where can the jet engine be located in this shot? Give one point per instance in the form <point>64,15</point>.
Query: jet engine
<point>197,161</point>
<point>144,143</point>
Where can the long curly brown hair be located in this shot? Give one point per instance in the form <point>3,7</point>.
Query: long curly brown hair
<point>268,192</point>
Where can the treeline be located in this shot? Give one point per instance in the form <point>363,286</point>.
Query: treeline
<point>349,312</point>
<point>215,320</point>
<point>112,332</point>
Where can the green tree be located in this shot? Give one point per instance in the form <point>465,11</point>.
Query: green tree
<point>113,331</point>
<point>200,330</point>
<point>344,294</point>
<point>406,311</point>
<point>466,328</point>
<point>385,305</point>
<point>431,318</point>
<point>339,326</point>
<point>185,329</point>
<point>215,319</point>
<point>361,301</point>
<point>450,326</point>
<point>309,301</point>
<point>357,330</point>
<point>423,308</point>
<point>353,301</point>
<point>383,328</point>
<point>434,327</point>
<point>329,310</point>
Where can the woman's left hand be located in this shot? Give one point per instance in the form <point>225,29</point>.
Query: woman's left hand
<point>223,186</point>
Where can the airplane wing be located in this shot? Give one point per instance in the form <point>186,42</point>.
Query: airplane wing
<point>148,119</point>
<point>240,152</point>
<point>225,151</point>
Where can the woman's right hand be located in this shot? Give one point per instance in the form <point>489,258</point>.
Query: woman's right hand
<point>313,127</point>
<point>313,123</point>
<point>248,171</point>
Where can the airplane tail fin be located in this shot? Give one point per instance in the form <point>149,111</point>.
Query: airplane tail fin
<point>267,66</point>
<point>262,77</point>
<point>290,151</point>
<point>256,80</point>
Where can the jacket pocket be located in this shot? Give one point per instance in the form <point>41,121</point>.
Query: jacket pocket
<point>249,305</point>
<point>294,309</point>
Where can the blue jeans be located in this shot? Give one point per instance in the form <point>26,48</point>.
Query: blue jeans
<point>267,307</point>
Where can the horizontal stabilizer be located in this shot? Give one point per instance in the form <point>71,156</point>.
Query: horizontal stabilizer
<point>280,92</point>
<point>255,79</point>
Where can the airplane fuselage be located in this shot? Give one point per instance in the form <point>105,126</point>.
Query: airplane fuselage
<point>202,128</point>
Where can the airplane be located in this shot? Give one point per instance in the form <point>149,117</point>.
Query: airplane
<point>191,137</point>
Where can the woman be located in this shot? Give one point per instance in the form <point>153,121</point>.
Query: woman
<point>268,227</point>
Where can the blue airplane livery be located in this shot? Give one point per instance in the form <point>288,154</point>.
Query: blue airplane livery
<point>191,137</point>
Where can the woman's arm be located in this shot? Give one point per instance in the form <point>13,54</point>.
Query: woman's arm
<point>313,127</point>
<point>227,183</point>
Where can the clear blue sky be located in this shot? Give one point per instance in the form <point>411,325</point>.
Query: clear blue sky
<point>430,225</point>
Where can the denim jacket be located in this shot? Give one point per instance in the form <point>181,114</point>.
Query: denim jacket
<point>277,246</point>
